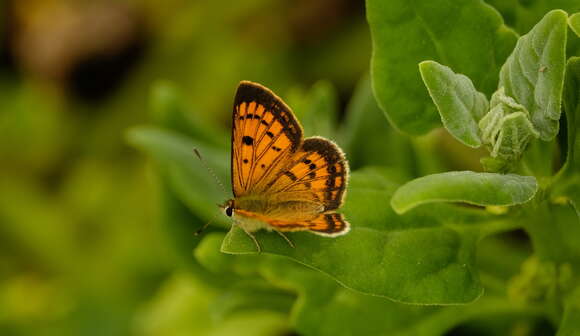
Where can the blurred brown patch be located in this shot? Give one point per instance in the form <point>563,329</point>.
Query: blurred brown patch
<point>310,21</point>
<point>85,47</point>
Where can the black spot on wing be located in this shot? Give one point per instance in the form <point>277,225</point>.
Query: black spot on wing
<point>290,175</point>
<point>247,140</point>
<point>252,92</point>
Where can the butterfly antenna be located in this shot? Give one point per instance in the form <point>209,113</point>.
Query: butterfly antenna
<point>210,170</point>
<point>201,229</point>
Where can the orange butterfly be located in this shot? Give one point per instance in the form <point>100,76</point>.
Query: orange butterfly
<point>281,181</point>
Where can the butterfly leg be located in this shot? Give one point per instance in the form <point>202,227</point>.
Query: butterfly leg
<point>254,239</point>
<point>286,239</point>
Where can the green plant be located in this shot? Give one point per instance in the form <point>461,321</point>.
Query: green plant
<point>421,238</point>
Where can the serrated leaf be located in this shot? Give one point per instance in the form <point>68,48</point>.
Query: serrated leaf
<point>417,258</point>
<point>469,36</point>
<point>534,73</point>
<point>491,124</point>
<point>516,131</point>
<point>466,187</point>
<point>460,105</point>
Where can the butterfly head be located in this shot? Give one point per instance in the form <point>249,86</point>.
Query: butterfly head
<point>228,208</point>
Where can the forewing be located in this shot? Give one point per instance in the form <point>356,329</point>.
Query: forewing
<point>265,136</point>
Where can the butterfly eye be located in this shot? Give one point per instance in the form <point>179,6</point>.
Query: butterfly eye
<point>229,211</point>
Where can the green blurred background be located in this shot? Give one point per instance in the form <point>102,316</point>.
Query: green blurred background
<point>84,249</point>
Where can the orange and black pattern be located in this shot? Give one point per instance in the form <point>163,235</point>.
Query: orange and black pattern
<point>330,224</point>
<point>264,132</point>
<point>275,171</point>
<point>325,224</point>
<point>318,172</point>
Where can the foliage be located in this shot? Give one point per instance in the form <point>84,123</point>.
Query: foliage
<point>426,253</point>
<point>464,195</point>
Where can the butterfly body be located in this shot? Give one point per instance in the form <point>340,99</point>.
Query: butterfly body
<point>281,181</point>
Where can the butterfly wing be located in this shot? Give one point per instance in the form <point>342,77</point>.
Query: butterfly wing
<point>325,224</point>
<point>265,135</point>
<point>277,177</point>
<point>317,172</point>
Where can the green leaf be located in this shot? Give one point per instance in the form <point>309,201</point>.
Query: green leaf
<point>253,323</point>
<point>571,319</point>
<point>187,176</point>
<point>181,308</point>
<point>168,110</point>
<point>368,139</point>
<point>534,73</point>
<point>506,130</point>
<point>523,15</point>
<point>573,195</point>
<point>574,22</point>
<point>325,308</point>
<point>423,257</point>
<point>468,36</point>
<point>554,231</point>
<point>179,223</point>
<point>251,295</point>
<point>244,289</point>
<point>541,281</point>
<point>567,182</point>
<point>206,254</point>
<point>317,109</point>
<point>501,106</point>
<point>459,103</point>
<point>572,109</point>
<point>467,187</point>
<point>178,307</point>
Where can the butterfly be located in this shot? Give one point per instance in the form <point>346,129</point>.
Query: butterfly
<point>282,182</point>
